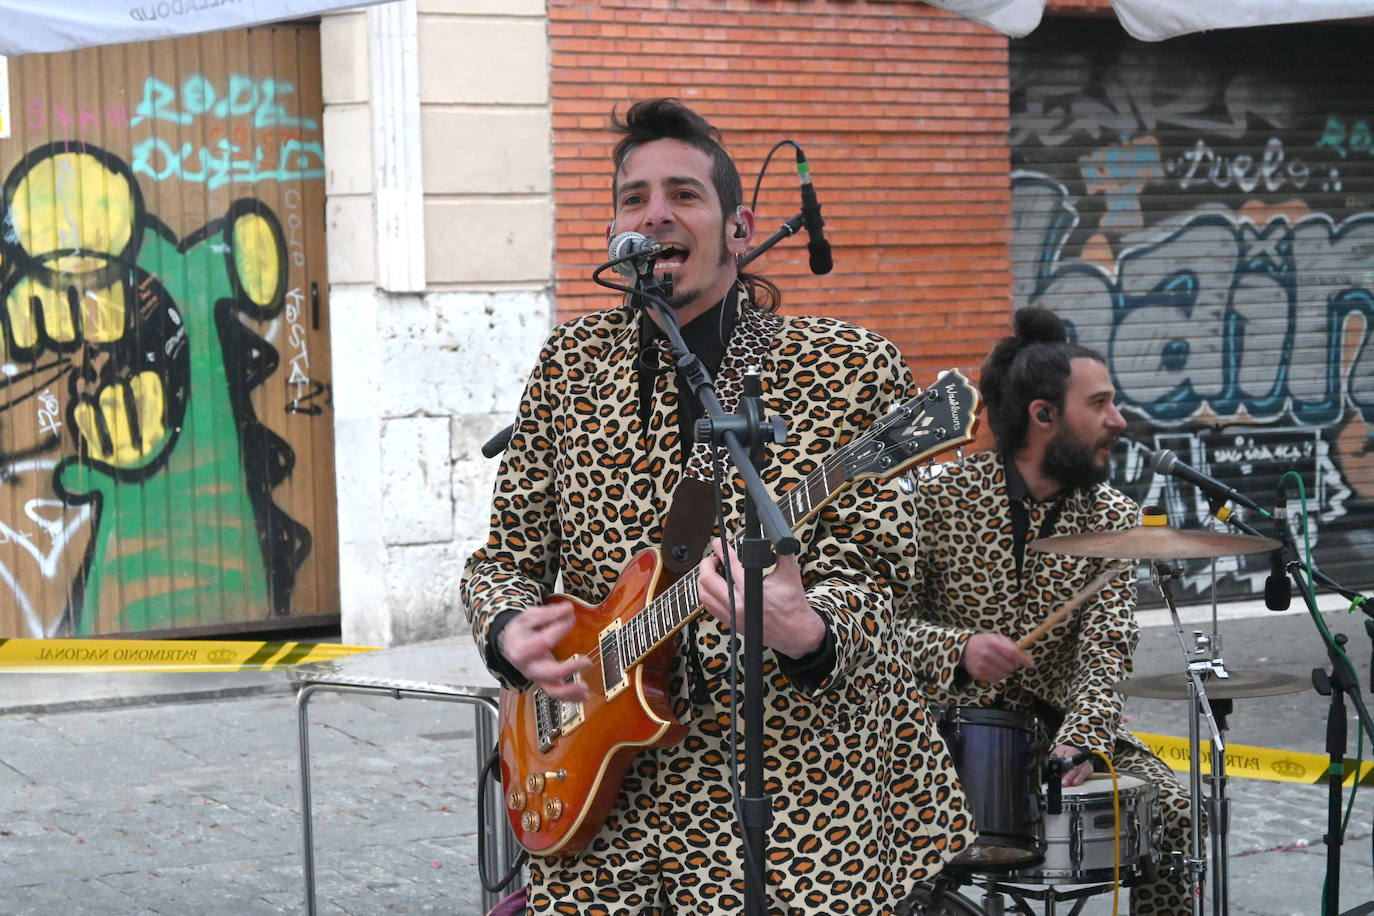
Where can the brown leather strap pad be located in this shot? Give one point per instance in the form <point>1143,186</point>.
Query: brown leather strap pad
<point>688,527</point>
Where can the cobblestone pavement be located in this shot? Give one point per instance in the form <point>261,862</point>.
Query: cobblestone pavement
<point>189,802</point>
<point>194,807</point>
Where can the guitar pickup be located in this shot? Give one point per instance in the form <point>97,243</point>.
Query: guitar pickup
<point>613,668</point>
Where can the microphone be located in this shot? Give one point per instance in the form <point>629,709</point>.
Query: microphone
<point>821,261</point>
<point>632,254</point>
<point>1278,588</point>
<point>1166,462</point>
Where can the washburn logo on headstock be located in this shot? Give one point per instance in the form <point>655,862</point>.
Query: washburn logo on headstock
<point>952,396</point>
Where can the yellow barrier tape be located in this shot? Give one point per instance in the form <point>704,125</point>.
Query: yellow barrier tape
<point>1249,762</point>
<point>73,656</point>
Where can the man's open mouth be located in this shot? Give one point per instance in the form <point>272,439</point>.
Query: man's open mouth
<point>670,258</point>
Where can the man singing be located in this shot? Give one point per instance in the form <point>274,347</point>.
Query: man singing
<point>863,798</point>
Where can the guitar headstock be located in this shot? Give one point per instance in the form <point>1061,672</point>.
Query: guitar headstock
<point>940,418</point>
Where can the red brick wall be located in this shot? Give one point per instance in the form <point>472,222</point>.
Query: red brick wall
<point>1071,7</point>
<point>900,108</point>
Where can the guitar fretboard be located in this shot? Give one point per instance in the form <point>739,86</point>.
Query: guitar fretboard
<point>670,611</point>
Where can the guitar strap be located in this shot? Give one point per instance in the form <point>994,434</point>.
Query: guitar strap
<point>685,533</point>
<point>691,517</point>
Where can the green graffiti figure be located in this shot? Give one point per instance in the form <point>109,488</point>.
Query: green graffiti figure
<point>160,367</point>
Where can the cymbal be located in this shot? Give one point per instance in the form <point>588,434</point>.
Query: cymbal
<point>1154,542</point>
<point>1239,684</point>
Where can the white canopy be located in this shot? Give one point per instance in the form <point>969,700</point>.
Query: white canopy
<point>1155,20</point>
<point>62,25</point>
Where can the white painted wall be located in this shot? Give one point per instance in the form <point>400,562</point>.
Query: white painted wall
<point>429,365</point>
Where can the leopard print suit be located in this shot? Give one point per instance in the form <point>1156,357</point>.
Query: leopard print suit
<point>864,799</point>
<point>967,583</point>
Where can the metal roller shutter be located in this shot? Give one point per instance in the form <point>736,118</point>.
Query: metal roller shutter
<point>1201,211</point>
<point>166,421</point>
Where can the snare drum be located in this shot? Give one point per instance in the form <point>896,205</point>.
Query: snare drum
<point>997,754</point>
<point>1081,841</point>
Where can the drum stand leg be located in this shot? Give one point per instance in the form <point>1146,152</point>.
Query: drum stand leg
<point>1201,664</point>
<point>1048,895</point>
<point>1219,823</point>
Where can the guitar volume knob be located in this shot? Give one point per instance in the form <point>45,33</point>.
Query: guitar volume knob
<point>553,807</point>
<point>516,800</point>
<point>534,783</point>
<point>530,821</point>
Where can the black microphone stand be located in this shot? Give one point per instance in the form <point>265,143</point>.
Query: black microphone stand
<point>1341,684</point>
<point>765,531</point>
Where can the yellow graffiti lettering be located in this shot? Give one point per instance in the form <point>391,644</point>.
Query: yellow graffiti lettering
<point>23,298</point>
<point>29,296</point>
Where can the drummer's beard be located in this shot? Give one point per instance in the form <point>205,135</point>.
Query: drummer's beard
<point>1073,463</point>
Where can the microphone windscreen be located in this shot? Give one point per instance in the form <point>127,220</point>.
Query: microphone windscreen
<point>1163,461</point>
<point>821,260</point>
<point>1278,592</point>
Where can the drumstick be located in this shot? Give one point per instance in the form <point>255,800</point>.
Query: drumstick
<point>1068,607</point>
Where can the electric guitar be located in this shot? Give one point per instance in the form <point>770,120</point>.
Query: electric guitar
<point>561,762</point>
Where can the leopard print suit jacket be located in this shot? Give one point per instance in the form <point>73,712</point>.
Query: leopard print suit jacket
<point>864,797</point>
<point>967,583</point>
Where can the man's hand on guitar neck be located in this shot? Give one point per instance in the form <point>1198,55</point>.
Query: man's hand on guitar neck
<point>790,626</point>
<point>528,641</point>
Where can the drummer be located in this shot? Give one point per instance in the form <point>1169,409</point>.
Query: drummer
<point>1050,405</point>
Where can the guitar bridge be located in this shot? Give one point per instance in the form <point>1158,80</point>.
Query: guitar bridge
<point>554,718</point>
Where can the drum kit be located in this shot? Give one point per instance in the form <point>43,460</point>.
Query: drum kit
<point>1037,840</point>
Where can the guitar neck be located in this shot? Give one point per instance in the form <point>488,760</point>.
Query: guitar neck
<point>661,618</point>
<point>941,417</point>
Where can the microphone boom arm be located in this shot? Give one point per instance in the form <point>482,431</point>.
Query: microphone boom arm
<point>788,229</point>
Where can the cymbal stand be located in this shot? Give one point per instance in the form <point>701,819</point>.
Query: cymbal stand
<point>1201,664</point>
<point>1218,805</point>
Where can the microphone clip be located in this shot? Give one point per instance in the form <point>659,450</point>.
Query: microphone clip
<point>661,287</point>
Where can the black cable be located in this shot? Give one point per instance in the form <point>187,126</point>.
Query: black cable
<point>483,780</point>
<point>753,204</point>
